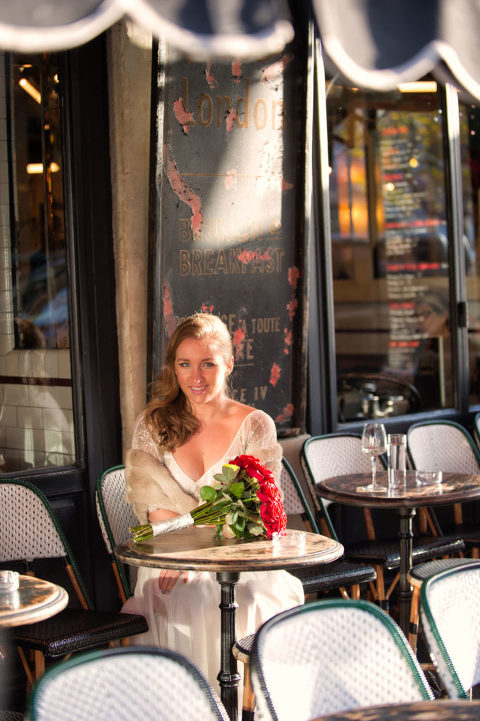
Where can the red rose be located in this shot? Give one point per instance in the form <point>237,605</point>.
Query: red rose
<point>272,512</point>
<point>252,467</point>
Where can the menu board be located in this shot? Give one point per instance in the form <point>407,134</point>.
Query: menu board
<point>414,244</point>
<point>227,181</point>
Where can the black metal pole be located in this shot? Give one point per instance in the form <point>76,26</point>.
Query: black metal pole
<point>404,589</point>
<point>228,676</point>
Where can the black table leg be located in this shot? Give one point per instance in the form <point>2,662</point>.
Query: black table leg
<point>404,588</point>
<point>228,676</point>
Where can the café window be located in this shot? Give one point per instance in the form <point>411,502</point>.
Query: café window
<point>391,250</point>
<point>36,423</point>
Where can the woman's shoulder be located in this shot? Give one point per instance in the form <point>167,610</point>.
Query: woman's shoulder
<point>254,419</point>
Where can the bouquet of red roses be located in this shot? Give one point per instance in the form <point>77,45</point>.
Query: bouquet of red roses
<point>243,501</point>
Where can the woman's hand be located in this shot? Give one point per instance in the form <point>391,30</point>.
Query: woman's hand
<point>168,579</point>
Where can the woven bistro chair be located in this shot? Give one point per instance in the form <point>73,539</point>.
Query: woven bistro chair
<point>331,656</point>
<point>450,612</point>
<point>124,684</point>
<point>30,531</point>
<point>336,576</point>
<point>115,516</point>
<point>447,446</point>
<point>340,453</point>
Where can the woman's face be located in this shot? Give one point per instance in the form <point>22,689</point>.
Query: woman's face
<point>201,370</point>
<point>431,321</point>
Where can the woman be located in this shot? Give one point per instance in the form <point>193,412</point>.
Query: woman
<point>187,432</point>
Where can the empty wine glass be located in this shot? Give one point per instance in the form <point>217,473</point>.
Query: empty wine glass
<point>374,443</point>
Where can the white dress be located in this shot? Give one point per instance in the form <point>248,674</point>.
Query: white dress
<point>187,619</point>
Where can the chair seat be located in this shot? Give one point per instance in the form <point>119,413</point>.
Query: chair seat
<point>330,576</point>
<point>418,574</point>
<point>74,630</point>
<point>388,552</point>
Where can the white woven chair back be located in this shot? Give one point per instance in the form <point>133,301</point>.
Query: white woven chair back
<point>291,501</point>
<point>27,530</point>
<point>331,656</point>
<point>119,513</point>
<point>442,447</point>
<point>333,455</point>
<point>450,613</point>
<point>124,684</point>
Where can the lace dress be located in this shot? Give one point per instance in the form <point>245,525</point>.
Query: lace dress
<point>187,619</point>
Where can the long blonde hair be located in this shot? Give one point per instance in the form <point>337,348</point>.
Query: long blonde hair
<point>168,415</point>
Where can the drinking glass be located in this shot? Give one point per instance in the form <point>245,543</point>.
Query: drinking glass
<point>374,443</point>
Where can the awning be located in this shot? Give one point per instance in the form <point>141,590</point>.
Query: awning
<point>205,29</point>
<point>378,44</point>
<point>373,44</point>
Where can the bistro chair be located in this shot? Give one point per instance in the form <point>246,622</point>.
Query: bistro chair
<point>125,684</point>
<point>340,453</point>
<point>115,516</point>
<point>450,612</point>
<point>30,532</point>
<point>336,576</point>
<point>330,656</point>
<point>448,446</point>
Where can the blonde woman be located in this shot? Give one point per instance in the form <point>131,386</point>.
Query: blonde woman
<point>188,431</point>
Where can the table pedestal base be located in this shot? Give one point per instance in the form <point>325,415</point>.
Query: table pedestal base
<point>404,588</point>
<point>228,676</point>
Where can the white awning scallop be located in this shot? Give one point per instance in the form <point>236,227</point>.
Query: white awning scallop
<point>377,44</point>
<point>204,29</point>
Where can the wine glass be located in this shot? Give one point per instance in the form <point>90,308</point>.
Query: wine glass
<point>374,443</point>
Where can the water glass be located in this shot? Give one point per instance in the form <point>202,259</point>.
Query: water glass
<point>397,460</point>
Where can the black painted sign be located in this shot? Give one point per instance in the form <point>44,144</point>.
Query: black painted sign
<point>229,175</point>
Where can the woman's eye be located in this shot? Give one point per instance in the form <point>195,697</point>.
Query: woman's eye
<point>183,364</point>
<point>209,365</point>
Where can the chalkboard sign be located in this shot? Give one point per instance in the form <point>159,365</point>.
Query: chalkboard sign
<point>227,218</point>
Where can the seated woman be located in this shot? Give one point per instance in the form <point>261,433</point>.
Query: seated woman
<point>188,431</point>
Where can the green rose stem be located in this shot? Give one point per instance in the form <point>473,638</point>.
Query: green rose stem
<point>211,513</point>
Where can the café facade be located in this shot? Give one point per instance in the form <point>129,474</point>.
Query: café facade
<point>333,224</point>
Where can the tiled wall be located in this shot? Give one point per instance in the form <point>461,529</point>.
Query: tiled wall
<point>36,421</point>
<point>36,416</point>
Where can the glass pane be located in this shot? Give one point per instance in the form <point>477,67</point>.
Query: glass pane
<point>36,424</point>
<point>390,252</point>
<point>470,141</point>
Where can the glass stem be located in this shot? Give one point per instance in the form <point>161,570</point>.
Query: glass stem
<point>374,470</point>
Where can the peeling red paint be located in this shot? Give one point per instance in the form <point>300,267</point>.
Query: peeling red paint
<point>230,118</point>
<point>274,71</point>
<point>168,314</point>
<point>184,117</point>
<point>287,340</point>
<point>238,341</point>
<point>286,186</point>
<point>293,276</point>
<point>207,308</point>
<point>286,414</point>
<point>247,256</point>
<point>274,374</point>
<point>230,179</point>
<point>210,78</point>
<point>186,194</point>
<point>292,307</point>
<point>236,71</point>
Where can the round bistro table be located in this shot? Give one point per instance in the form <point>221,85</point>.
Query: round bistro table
<point>350,490</point>
<point>35,600</point>
<point>439,710</point>
<point>199,549</point>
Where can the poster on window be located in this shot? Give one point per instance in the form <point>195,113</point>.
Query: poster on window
<point>227,219</point>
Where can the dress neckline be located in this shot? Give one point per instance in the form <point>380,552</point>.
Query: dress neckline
<point>209,470</point>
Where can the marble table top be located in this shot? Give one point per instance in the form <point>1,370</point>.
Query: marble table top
<point>35,600</point>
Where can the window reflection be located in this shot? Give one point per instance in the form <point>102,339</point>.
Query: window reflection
<point>470,145</point>
<point>40,267</point>
<point>390,252</point>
